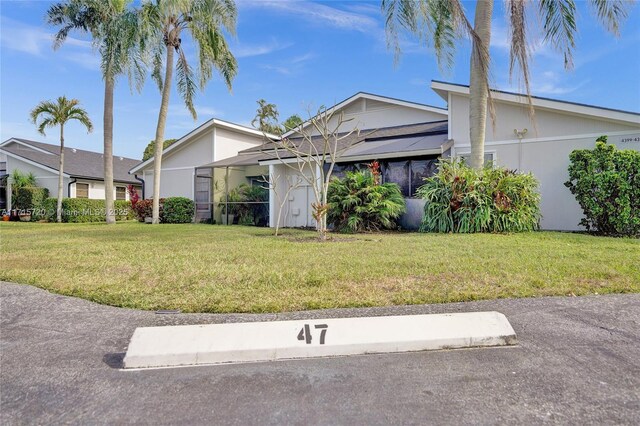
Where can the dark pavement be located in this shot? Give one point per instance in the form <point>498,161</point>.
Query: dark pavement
<point>578,362</point>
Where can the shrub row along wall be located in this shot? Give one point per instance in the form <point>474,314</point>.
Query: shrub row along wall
<point>82,210</point>
<point>172,210</point>
<point>30,198</point>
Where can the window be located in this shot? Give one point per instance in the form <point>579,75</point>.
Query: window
<point>121,193</point>
<point>3,167</point>
<point>82,190</point>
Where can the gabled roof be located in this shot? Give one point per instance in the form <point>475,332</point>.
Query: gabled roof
<point>385,142</point>
<point>214,122</point>
<point>78,163</point>
<point>380,98</point>
<point>442,88</point>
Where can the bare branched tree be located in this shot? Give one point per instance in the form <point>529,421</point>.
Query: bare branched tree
<point>313,153</point>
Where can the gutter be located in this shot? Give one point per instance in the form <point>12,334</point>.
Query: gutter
<point>142,182</point>
<point>74,180</point>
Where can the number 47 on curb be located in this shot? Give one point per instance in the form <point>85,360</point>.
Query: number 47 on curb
<point>305,333</point>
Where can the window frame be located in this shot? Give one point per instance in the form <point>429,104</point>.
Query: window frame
<point>83,184</point>
<point>124,188</point>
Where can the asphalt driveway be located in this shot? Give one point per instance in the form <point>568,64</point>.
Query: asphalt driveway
<point>578,362</point>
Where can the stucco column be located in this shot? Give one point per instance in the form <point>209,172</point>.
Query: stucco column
<point>272,197</point>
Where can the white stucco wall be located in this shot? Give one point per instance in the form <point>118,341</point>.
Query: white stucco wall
<point>373,114</point>
<point>179,164</point>
<point>545,154</point>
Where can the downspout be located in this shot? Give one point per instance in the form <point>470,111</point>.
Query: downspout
<point>142,182</point>
<point>72,181</point>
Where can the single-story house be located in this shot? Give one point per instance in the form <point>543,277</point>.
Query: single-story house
<point>83,170</point>
<point>407,139</point>
<point>181,174</point>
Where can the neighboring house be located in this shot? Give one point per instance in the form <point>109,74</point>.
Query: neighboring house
<point>181,172</point>
<point>407,139</point>
<point>83,170</point>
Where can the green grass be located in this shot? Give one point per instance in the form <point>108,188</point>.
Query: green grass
<point>204,268</point>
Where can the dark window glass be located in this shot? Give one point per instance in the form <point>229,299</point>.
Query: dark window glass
<point>397,172</point>
<point>421,169</point>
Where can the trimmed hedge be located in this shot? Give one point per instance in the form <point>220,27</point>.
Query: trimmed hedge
<point>606,184</point>
<point>178,210</point>
<point>82,210</point>
<point>30,198</point>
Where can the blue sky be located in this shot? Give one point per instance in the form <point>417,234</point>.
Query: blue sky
<point>295,54</point>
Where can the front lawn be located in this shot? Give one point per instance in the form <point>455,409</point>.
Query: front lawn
<point>204,268</point>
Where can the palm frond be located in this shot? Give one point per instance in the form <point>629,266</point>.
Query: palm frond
<point>611,13</point>
<point>559,26</point>
<point>186,82</point>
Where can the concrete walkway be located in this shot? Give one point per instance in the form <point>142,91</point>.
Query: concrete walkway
<point>578,362</point>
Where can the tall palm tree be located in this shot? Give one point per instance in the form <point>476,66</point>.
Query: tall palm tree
<point>51,114</point>
<point>114,29</point>
<point>164,22</point>
<point>441,23</point>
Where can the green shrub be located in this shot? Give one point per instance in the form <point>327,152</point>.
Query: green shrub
<point>248,203</point>
<point>462,199</point>
<point>358,203</point>
<point>144,208</point>
<point>30,198</point>
<point>606,184</point>
<point>82,210</point>
<point>178,210</point>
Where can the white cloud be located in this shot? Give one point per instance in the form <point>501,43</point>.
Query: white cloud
<point>290,66</point>
<point>15,35</point>
<point>179,110</point>
<point>246,51</point>
<point>318,13</point>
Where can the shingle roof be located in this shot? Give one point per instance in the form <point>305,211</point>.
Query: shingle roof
<point>78,163</point>
<point>405,138</point>
<point>433,127</point>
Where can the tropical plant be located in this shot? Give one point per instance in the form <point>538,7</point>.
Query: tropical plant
<point>21,180</point>
<point>462,199</point>
<point>51,114</point>
<point>606,183</point>
<point>148,150</point>
<point>292,122</point>
<point>114,29</point>
<point>266,119</point>
<point>358,203</point>
<point>442,23</point>
<point>163,23</point>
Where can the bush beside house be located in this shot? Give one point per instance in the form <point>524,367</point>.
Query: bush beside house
<point>83,210</point>
<point>359,203</point>
<point>178,210</point>
<point>462,199</point>
<point>31,199</point>
<point>606,183</point>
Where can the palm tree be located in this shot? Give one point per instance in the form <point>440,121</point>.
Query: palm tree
<point>114,29</point>
<point>266,119</point>
<point>164,22</point>
<point>440,23</point>
<point>51,114</point>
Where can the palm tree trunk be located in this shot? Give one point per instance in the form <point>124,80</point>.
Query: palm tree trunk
<point>162,121</point>
<point>108,150</point>
<point>478,83</point>
<point>60,176</point>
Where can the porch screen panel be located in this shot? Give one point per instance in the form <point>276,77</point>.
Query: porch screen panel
<point>421,169</point>
<point>203,189</point>
<point>398,172</point>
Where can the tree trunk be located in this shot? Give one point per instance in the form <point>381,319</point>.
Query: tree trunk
<point>60,176</point>
<point>108,150</point>
<point>478,84</point>
<point>162,121</point>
